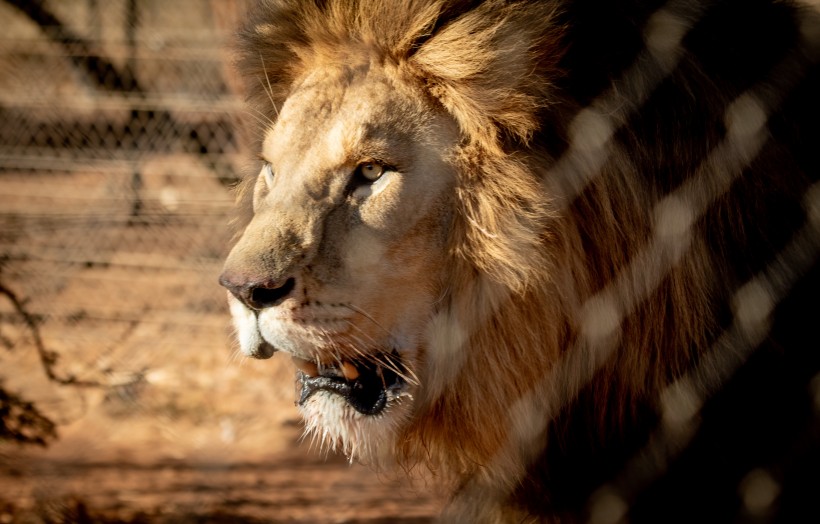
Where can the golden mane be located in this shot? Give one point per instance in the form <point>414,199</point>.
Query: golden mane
<point>488,67</point>
<point>540,274</point>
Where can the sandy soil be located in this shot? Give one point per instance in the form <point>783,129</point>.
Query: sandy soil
<point>183,429</point>
<point>199,440</point>
<point>116,258</point>
<point>296,487</point>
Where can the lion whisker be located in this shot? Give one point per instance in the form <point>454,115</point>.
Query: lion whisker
<point>269,90</point>
<point>238,357</point>
<point>366,315</point>
<point>382,359</point>
<point>262,120</point>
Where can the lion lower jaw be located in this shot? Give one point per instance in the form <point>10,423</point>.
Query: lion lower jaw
<point>333,424</point>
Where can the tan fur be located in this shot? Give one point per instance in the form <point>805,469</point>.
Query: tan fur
<point>509,288</point>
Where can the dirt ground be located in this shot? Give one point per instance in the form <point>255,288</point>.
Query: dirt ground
<point>205,437</point>
<point>296,487</point>
<point>114,249</point>
<point>181,428</point>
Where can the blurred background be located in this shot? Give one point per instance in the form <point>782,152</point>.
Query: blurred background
<point>122,395</point>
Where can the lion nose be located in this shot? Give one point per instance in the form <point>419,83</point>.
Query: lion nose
<point>257,295</point>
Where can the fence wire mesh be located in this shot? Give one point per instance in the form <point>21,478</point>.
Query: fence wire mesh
<point>120,140</point>
<point>120,136</point>
<point>118,144</point>
<point>674,217</point>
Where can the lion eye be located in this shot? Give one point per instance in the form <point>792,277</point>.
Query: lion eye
<point>267,172</point>
<point>370,170</point>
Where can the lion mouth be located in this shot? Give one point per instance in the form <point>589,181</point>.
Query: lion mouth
<point>367,386</point>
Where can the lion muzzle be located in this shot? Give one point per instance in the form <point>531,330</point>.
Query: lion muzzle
<point>261,269</point>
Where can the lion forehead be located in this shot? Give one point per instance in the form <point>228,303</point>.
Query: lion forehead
<point>343,118</point>
<point>310,127</point>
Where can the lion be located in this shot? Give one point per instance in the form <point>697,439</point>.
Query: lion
<point>560,253</point>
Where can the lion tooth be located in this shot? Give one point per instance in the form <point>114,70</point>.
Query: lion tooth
<point>349,371</point>
<point>306,366</point>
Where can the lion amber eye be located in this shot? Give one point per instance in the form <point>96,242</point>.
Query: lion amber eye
<point>267,172</point>
<point>371,170</point>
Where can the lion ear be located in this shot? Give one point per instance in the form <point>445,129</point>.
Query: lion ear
<point>489,67</point>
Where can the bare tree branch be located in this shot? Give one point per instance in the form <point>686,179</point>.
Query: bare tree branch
<point>47,358</point>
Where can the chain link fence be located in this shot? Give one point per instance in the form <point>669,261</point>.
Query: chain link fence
<point>120,140</point>
<point>119,143</point>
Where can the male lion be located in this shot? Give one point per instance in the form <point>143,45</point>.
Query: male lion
<point>563,253</point>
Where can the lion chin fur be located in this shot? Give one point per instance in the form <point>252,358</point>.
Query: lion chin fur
<point>632,179</point>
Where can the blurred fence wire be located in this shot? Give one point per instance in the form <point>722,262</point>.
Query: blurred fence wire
<point>601,316</point>
<point>119,141</point>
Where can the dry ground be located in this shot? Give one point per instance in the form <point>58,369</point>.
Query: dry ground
<point>205,437</point>
<point>295,487</point>
<point>183,428</point>
<point>115,254</point>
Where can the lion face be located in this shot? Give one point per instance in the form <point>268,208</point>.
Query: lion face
<point>342,262</point>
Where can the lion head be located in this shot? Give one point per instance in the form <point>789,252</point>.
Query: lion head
<point>422,240</point>
<point>345,256</point>
<point>387,215</point>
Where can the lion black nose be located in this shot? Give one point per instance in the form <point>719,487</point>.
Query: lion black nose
<point>257,295</point>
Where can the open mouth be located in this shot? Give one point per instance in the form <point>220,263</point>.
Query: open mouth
<point>367,386</point>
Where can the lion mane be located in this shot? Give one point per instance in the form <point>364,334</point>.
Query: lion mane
<point>630,178</point>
